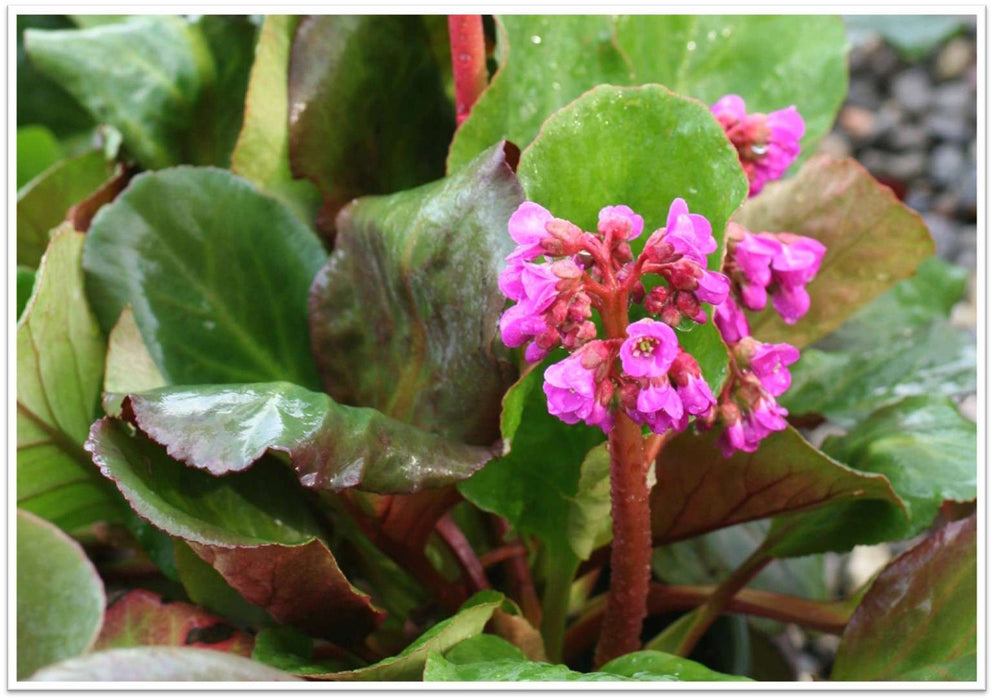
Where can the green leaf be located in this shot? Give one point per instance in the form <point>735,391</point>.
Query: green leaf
<point>918,621</point>
<point>408,665</point>
<point>872,241</point>
<point>60,597</point>
<point>60,354</point>
<point>709,56</point>
<point>251,527</point>
<point>544,63</point>
<point>369,113</point>
<point>404,315</point>
<point>488,658</point>
<point>160,664</point>
<point>37,149</point>
<point>142,618</point>
<point>45,201</point>
<point>923,446</point>
<point>207,588</point>
<point>711,558</point>
<point>228,427</point>
<point>129,368</point>
<point>219,110</point>
<point>643,147</point>
<point>217,281</point>
<point>25,287</point>
<point>39,99</point>
<point>897,345</point>
<point>699,490</point>
<point>544,485</point>
<point>262,151</point>
<point>143,76</point>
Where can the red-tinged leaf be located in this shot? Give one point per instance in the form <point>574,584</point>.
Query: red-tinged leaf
<point>253,526</point>
<point>918,621</point>
<point>81,214</point>
<point>872,239</point>
<point>699,490</point>
<point>142,618</point>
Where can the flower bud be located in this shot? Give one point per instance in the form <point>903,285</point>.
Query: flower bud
<point>671,315</point>
<point>564,238</point>
<point>656,299</point>
<point>566,269</point>
<point>683,274</point>
<point>688,304</point>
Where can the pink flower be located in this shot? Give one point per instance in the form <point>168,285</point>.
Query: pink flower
<point>519,324</point>
<point>509,280</point>
<point>713,287</point>
<point>765,418</point>
<point>792,303</point>
<point>527,228</point>
<point>767,144</point>
<point>649,349</point>
<point>659,405</point>
<point>797,262</point>
<point>689,234</point>
<point>730,321</point>
<point>621,222</point>
<point>570,389</point>
<point>753,256</point>
<point>769,364</point>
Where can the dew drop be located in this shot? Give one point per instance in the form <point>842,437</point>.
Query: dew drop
<point>726,32</point>
<point>535,39</point>
<point>711,35</point>
<point>691,46</point>
<point>759,149</point>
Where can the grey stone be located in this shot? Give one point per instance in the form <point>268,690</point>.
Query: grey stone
<point>946,164</point>
<point>908,137</point>
<point>965,190</point>
<point>918,198</point>
<point>948,127</point>
<point>912,88</point>
<point>883,61</point>
<point>863,93</point>
<point>858,122</point>
<point>955,99</point>
<point>905,166</point>
<point>946,244</point>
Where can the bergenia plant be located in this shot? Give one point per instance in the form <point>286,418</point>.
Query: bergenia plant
<point>426,348</point>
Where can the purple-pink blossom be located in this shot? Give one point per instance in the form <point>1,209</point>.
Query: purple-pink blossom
<point>621,222</point>
<point>527,228</point>
<point>767,143</point>
<point>731,321</point>
<point>658,405</point>
<point>769,363</point>
<point>649,349</point>
<point>570,389</point>
<point>689,234</point>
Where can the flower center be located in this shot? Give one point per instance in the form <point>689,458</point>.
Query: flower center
<point>644,346</point>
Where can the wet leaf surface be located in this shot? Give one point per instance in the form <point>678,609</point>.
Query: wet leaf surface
<point>404,315</point>
<point>217,283</point>
<point>251,527</point>
<point>918,621</point>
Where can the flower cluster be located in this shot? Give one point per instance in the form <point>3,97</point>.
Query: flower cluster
<point>639,368</point>
<point>767,143</point>
<point>761,265</point>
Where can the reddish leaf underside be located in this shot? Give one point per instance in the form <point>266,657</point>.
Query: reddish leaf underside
<point>142,618</point>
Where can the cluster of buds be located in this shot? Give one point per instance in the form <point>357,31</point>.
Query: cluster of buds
<point>639,368</point>
<point>767,143</point>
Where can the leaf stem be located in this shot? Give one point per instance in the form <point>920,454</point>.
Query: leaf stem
<point>721,598</point>
<point>520,575</point>
<point>465,34</point>
<point>453,536</point>
<point>555,603</point>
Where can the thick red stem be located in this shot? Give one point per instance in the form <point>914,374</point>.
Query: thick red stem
<point>465,33</point>
<point>631,549</point>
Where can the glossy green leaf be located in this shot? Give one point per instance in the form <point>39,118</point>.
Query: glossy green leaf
<point>39,99</point>
<point>143,76</point>
<point>553,494</point>
<point>262,151</point>
<point>217,281</point>
<point>912,35</point>
<point>918,621</point>
<point>408,665</point>
<point>129,368</point>
<point>228,427</point>
<point>142,618</point>
<point>488,658</point>
<point>207,588</point>
<point>404,315</point>
<point>25,286</point>
<point>711,558</point>
<point>60,353</point>
<point>369,112</point>
<point>37,149</point>
<point>643,147</point>
<point>923,446</point>
<point>161,664</point>
<point>872,239</point>
<point>709,56</point>
<point>60,596</point>
<point>544,63</point>
<point>698,490</point>
<point>290,650</point>
<point>897,345</point>
<point>251,527</point>
<point>45,201</point>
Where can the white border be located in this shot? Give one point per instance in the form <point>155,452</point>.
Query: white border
<point>557,7</point>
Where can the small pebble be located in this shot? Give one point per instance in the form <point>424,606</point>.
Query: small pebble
<point>912,88</point>
<point>859,122</point>
<point>949,127</point>
<point>944,234</point>
<point>835,145</point>
<point>947,163</point>
<point>955,99</point>
<point>954,59</point>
